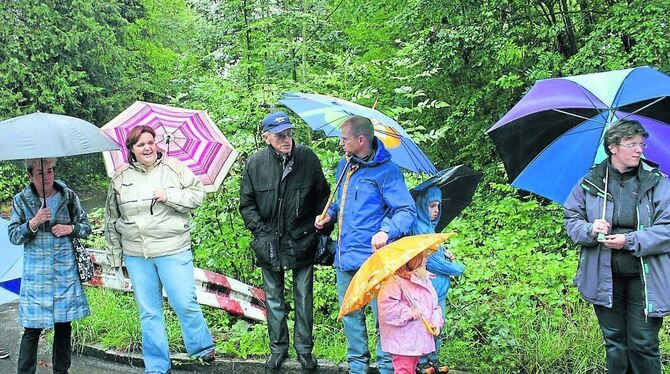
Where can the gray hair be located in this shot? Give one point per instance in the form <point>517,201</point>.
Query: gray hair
<point>31,163</point>
<point>360,125</point>
<point>621,130</point>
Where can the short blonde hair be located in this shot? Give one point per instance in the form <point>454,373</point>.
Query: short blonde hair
<point>32,163</point>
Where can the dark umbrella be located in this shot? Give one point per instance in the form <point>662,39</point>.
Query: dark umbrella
<point>458,185</point>
<point>551,138</point>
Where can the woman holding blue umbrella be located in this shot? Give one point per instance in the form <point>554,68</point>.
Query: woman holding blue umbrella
<point>620,214</point>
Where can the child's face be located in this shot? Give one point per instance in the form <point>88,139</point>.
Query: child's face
<point>433,209</point>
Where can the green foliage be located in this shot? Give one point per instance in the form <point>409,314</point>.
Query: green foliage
<point>445,70</point>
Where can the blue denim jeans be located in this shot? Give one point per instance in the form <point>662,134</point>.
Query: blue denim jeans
<point>358,355</point>
<point>438,340</point>
<point>175,274</point>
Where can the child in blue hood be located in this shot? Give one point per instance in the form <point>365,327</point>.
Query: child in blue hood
<point>440,263</point>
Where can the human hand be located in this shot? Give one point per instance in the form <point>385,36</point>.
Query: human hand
<point>43,215</point>
<point>62,230</point>
<point>600,226</point>
<point>416,313</point>
<point>615,241</point>
<point>319,223</point>
<point>379,240</point>
<point>160,195</point>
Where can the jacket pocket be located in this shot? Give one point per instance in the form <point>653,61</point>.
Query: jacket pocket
<point>303,241</point>
<point>265,249</point>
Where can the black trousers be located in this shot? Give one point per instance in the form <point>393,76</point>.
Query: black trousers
<point>631,340</point>
<point>62,349</point>
<point>303,285</point>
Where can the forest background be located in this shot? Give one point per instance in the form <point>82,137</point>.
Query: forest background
<point>445,69</point>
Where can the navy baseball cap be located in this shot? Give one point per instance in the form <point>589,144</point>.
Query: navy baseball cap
<point>276,122</point>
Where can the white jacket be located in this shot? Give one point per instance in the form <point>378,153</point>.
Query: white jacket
<point>133,226</point>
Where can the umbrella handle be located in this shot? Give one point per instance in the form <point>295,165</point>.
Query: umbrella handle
<point>332,194</point>
<point>430,328</point>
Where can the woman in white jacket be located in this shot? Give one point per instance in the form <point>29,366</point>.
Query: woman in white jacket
<point>147,224</point>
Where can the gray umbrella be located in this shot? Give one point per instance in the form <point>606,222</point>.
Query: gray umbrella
<point>45,135</point>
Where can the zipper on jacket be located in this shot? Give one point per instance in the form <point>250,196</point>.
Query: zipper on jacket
<point>349,172</point>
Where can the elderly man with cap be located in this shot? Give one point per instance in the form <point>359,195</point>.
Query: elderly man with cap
<point>282,190</point>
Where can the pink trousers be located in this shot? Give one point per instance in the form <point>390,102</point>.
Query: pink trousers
<point>404,364</point>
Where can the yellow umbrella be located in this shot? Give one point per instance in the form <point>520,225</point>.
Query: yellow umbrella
<point>383,263</point>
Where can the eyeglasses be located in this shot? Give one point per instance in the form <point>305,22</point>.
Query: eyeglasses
<point>284,134</point>
<point>634,145</point>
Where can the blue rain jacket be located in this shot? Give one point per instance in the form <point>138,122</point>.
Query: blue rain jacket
<point>370,191</point>
<point>438,263</point>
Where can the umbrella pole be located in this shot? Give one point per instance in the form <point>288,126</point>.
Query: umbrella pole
<point>430,329</point>
<point>44,196</point>
<point>332,194</point>
<point>601,236</point>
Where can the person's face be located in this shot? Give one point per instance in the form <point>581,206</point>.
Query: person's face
<point>433,210</point>
<point>349,143</point>
<point>48,174</point>
<point>626,155</point>
<point>144,149</point>
<point>281,142</point>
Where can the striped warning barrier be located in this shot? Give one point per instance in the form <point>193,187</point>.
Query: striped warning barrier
<point>211,289</point>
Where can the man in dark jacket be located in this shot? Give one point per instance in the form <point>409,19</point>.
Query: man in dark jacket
<point>282,190</point>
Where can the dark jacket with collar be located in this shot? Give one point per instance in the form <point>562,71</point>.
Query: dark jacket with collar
<point>650,242</point>
<point>279,205</point>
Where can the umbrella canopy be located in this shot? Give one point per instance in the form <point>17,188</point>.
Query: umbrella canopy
<point>554,134</point>
<point>188,135</point>
<point>458,185</point>
<point>383,263</point>
<point>325,113</point>
<point>45,135</point>
<point>11,266</point>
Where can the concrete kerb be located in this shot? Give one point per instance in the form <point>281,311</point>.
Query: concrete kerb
<point>182,362</point>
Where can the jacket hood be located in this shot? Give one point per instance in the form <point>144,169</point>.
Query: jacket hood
<point>424,225</point>
<point>381,155</point>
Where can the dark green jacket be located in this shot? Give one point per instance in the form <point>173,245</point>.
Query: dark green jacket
<point>279,206</point>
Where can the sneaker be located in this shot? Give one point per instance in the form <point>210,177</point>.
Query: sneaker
<point>425,368</point>
<point>275,360</point>
<point>208,357</point>
<point>3,354</point>
<point>307,361</point>
<point>439,367</point>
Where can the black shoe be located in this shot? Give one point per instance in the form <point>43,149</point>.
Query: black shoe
<point>275,360</point>
<point>439,367</point>
<point>307,361</point>
<point>208,357</point>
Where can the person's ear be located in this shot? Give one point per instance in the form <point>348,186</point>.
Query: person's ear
<point>266,137</point>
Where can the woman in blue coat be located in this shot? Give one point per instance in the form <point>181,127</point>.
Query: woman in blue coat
<point>51,294</point>
<point>440,263</point>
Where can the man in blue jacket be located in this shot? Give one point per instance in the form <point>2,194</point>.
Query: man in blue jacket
<point>373,188</point>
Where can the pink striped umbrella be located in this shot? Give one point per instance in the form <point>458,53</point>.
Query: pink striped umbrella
<point>188,135</point>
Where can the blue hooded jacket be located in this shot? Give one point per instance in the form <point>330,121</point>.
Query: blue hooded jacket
<point>438,263</point>
<point>371,190</point>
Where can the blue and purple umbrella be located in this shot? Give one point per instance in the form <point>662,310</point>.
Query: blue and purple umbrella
<point>554,134</point>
